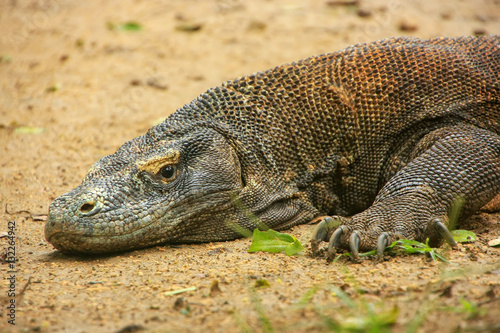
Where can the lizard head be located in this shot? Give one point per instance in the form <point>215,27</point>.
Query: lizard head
<point>152,190</point>
<point>165,187</point>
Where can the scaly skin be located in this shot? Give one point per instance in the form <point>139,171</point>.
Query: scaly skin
<point>390,132</point>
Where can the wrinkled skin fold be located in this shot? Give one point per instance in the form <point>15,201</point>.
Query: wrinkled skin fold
<point>383,136</point>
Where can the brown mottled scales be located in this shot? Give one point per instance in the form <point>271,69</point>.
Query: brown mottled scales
<point>390,133</point>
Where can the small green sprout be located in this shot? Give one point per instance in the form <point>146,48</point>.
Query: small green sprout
<point>127,26</point>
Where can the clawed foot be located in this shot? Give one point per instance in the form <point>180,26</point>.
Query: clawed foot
<point>342,233</point>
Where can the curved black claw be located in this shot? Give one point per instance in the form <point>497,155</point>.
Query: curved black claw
<point>382,242</point>
<point>444,232</point>
<point>335,241</point>
<point>354,245</point>
<point>322,231</point>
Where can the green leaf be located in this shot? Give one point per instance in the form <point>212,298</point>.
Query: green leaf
<point>469,308</point>
<point>342,295</point>
<point>127,26</point>
<point>415,247</point>
<point>306,299</point>
<point>53,88</point>
<point>274,242</point>
<point>262,283</point>
<point>5,59</point>
<point>463,236</point>
<point>371,322</point>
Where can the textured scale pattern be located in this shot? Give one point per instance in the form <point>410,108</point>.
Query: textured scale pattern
<point>391,132</point>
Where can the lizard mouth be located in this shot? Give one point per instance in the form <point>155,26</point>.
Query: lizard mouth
<point>74,243</point>
<point>164,225</point>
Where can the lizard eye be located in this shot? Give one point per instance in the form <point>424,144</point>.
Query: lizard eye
<point>168,172</point>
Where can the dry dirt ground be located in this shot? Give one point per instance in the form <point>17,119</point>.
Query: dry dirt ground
<point>75,85</point>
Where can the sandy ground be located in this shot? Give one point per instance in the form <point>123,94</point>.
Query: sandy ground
<point>74,87</point>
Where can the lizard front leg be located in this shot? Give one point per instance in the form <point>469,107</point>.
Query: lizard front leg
<point>462,162</point>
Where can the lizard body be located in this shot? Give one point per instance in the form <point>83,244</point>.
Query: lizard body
<point>390,133</point>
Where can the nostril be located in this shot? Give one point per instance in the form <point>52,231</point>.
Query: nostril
<point>87,207</point>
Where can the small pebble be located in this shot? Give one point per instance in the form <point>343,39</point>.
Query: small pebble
<point>408,25</point>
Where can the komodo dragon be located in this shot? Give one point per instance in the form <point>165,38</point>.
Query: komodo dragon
<point>390,133</point>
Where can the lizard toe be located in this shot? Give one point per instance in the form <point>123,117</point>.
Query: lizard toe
<point>354,242</point>
<point>438,232</point>
<point>382,243</point>
<point>334,243</point>
<point>323,231</point>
